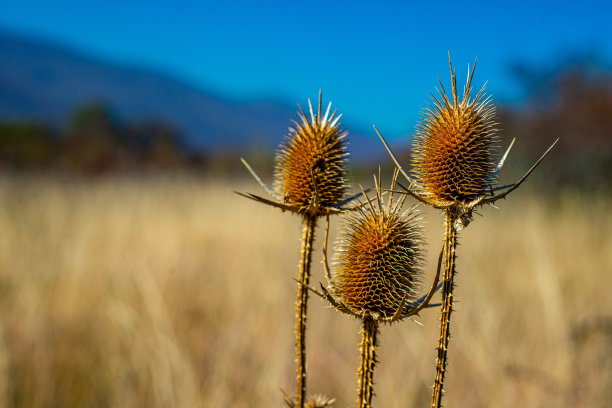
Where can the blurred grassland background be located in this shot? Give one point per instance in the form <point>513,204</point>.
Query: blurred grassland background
<point>140,291</point>
<point>132,276</point>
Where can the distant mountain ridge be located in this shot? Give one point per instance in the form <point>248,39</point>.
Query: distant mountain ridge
<point>45,81</point>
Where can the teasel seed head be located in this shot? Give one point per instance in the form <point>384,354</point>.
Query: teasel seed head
<point>456,146</point>
<point>310,172</point>
<point>313,401</point>
<point>379,252</point>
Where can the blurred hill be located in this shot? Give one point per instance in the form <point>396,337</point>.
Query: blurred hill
<point>47,83</point>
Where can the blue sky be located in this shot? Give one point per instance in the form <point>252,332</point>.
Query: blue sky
<point>376,62</point>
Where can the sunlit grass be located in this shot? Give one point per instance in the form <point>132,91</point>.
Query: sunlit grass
<point>160,292</point>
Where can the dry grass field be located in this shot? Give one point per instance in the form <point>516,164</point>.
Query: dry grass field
<point>175,292</point>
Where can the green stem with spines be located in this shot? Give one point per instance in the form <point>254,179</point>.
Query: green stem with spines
<point>369,342</point>
<point>301,305</point>
<point>450,244</point>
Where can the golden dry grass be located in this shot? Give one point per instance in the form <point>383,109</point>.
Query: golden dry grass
<point>175,292</point>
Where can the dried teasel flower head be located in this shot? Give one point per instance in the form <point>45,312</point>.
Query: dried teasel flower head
<point>456,147</point>
<point>313,401</point>
<point>379,252</point>
<point>310,174</point>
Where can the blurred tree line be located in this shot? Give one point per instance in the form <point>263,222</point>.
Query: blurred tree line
<point>94,141</point>
<point>573,102</point>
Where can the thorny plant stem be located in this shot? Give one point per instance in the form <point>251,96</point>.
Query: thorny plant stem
<point>450,243</point>
<point>301,304</point>
<point>369,333</point>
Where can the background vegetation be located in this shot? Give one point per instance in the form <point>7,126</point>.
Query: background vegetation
<point>161,292</point>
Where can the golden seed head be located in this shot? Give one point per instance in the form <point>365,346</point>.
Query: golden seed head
<point>310,166</point>
<point>313,401</point>
<point>455,147</point>
<point>378,259</point>
<point>319,401</point>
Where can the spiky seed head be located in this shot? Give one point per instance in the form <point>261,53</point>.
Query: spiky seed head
<point>313,401</point>
<point>310,165</point>
<point>379,252</point>
<point>319,401</point>
<point>456,145</point>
